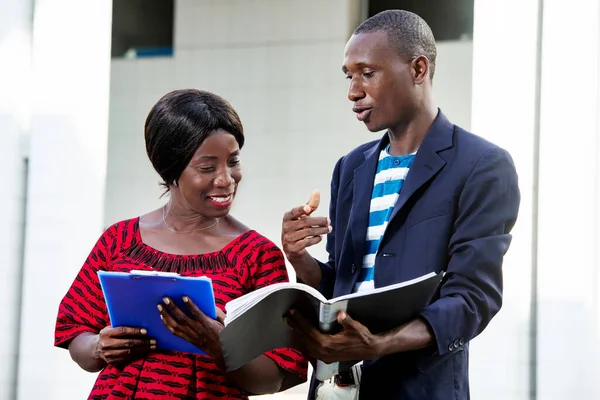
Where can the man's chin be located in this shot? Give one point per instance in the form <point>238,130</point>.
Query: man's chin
<point>373,127</point>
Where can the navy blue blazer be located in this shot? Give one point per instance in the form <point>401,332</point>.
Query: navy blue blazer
<point>459,202</point>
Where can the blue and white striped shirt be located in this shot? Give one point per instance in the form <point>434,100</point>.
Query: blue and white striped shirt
<point>389,179</point>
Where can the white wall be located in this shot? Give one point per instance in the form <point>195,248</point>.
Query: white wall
<point>15,45</point>
<point>283,78</point>
<point>283,75</point>
<point>500,361</point>
<point>562,166</point>
<point>69,134</point>
<point>452,84</point>
<point>569,207</point>
<point>286,83</point>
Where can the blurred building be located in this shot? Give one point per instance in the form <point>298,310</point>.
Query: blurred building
<point>78,78</point>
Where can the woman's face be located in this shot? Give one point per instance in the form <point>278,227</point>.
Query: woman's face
<point>209,183</point>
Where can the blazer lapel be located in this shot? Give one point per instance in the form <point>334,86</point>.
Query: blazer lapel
<point>364,176</point>
<point>426,165</point>
<point>427,162</point>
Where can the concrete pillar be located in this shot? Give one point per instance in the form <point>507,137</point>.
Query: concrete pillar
<point>15,63</point>
<point>69,131</point>
<point>569,207</point>
<point>542,101</point>
<point>504,91</point>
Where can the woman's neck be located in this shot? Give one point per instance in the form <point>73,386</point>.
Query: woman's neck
<point>181,218</point>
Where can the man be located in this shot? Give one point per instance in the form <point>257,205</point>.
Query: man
<point>428,196</point>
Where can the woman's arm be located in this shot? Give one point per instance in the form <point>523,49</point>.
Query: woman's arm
<point>260,376</point>
<point>266,266</point>
<point>263,376</point>
<point>81,324</point>
<point>116,346</point>
<point>83,351</point>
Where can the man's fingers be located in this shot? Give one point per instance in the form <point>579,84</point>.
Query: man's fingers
<point>296,231</point>
<point>308,222</point>
<point>296,213</point>
<point>306,209</point>
<point>348,323</point>
<point>315,199</point>
<point>308,343</point>
<point>304,325</point>
<point>297,236</point>
<point>311,241</point>
<point>344,319</point>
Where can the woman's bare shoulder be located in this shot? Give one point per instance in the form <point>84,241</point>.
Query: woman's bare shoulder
<point>235,226</point>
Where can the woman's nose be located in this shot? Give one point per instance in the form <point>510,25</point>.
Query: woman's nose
<point>224,180</point>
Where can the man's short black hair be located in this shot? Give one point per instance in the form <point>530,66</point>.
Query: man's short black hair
<point>408,32</point>
<point>178,124</point>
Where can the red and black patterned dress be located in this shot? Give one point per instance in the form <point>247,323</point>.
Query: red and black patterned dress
<point>249,262</point>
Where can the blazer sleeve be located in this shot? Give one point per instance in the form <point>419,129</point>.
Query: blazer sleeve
<point>472,292</point>
<point>328,268</point>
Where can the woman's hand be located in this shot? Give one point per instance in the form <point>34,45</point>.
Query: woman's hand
<point>195,327</point>
<point>118,346</point>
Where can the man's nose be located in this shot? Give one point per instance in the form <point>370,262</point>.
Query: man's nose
<point>355,91</point>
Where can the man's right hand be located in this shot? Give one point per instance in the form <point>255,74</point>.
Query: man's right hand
<point>118,346</point>
<point>300,230</point>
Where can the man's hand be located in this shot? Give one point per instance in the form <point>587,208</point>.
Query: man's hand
<point>300,230</point>
<point>354,342</point>
<point>195,327</point>
<point>118,346</point>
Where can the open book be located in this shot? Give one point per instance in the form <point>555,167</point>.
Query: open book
<point>254,322</point>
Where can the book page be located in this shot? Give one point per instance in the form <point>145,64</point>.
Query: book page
<point>382,289</point>
<point>237,307</point>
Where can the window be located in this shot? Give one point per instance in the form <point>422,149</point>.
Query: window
<point>142,28</point>
<point>448,19</point>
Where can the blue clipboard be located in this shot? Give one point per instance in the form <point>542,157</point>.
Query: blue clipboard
<point>131,299</point>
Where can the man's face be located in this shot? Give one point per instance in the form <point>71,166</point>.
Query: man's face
<point>382,85</point>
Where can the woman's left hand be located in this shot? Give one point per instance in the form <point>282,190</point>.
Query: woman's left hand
<point>194,327</point>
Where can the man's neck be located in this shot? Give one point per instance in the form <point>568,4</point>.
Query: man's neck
<point>407,138</point>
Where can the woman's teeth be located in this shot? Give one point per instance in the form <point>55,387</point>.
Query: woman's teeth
<point>221,199</point>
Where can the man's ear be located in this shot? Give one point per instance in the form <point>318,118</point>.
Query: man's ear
<point>420,69</point>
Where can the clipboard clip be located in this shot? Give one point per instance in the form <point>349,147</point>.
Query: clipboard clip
<point>138,273</point>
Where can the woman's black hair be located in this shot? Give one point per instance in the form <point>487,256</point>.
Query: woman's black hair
<point>178,124</point>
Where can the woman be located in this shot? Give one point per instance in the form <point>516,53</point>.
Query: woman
<point>193,139</point>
